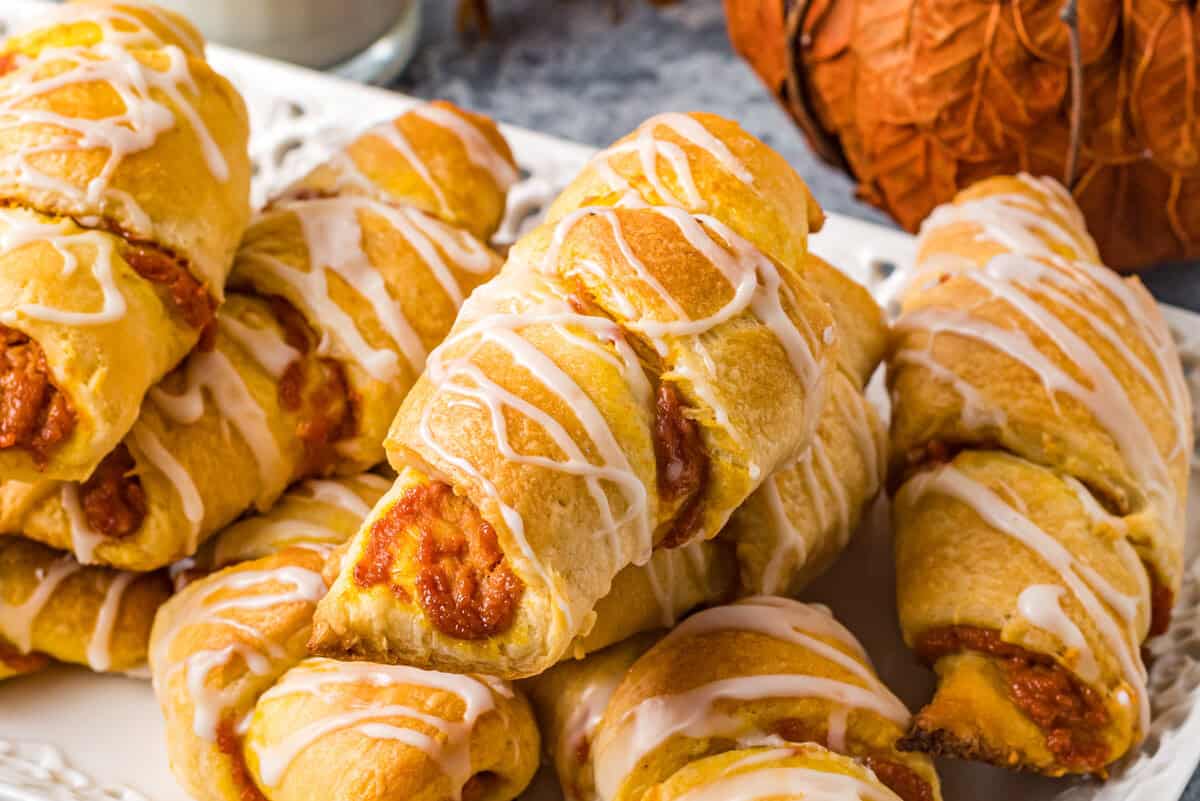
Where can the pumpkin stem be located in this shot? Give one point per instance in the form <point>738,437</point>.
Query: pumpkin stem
<point>1070,17</point>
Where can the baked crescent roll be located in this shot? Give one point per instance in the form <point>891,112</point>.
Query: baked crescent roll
<point>569,700</point>
<point>1035,637</point>
<point>706,164</point>
<point>640,367</point>
<point>803,772</point>
<point>231,636</point>
<point>13,663</point>
<point>763,670</point>
<point>319,514</point>
<point>87,23</point>
<point>792,529</point>
<point>657,594</point>
<point>1041,434</point>
<point>301,377</point>
<point>381,283</point>
<point>443,160</point>
<point>97,247</point>
<point>1012,334</point>
<point>52,606</point>
<point>220,434</point>
<point>366,731</point>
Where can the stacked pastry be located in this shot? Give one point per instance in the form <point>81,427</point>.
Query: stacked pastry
<point>1041,437</point>
<point>98,102</point>
<point>766,694</point>
<point>337,293</point>
<point>249,715</point>
<point>646,359</point>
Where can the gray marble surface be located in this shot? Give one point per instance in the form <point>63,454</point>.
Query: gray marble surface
<point>564,67</point>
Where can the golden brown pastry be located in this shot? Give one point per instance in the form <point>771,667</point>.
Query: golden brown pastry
<point>300,377</point>
<point>97,248</point>
<point>632,375</point>
<point>765,670</point>
<point>87,23</point>
<point>802,772</point>
<point>52,606</point>
<point>792,529</point>
<point>1041,436</point>
<point>569,700</point>
<point>657,594</point>
<point>248,716</point>
<point>443,160</point>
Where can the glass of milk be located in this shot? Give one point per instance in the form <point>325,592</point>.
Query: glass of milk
<point>368,40</point>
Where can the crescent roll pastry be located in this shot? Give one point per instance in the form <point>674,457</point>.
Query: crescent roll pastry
<point>762,670</point>
<point>52,606</point>
<point>657,594</point>
<point>803,772</point>
<point>13,663</point>
<point>632,375</point>
<point>248,716</point>
<point>1012,334</point>
<point>301,377</point>
<point>96,248</point>
<point>791,530</point>
<point>569,700</point>
<point>440,159</point>
<point>1041,436</point>
<point>319,514</point>
<point>87,23</point>
<point>362,730</point>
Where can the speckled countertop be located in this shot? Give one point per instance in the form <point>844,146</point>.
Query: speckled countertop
<point>564,67</point>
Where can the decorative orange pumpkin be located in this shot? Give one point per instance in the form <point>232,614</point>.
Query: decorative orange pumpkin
<point>919,98</point>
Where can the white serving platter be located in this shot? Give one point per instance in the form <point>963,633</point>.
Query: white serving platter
<point>101,738</point>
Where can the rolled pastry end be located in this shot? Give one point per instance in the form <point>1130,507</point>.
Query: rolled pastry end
<point>427,577</point>
<point>787,773</point>
<point>430,735</point>
<point>1012,709</point>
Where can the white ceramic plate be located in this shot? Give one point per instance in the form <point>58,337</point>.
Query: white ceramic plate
<point>101,734</point>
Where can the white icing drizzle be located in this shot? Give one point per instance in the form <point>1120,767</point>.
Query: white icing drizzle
<point>1113,613</point>
<point>390,133</point>
<point>977,412</point>
<point>460,376</point>
<point>336,493</point>
<point>801,784</point>
<point>1041,605</point>
<point>581,724</point>
<point>211,370</point>
<point>333,239</point>
<point>264,345</point>
<point>756,282</point>
<point>37,772</point>
<point>134,130</point>
<point>480,151</point>
<point>17,620</point>
<point>84,539</point>
<point>788,540</point>
<point>259,654</point>
<point>1034,268</point>
<point>177,476</point>
<point>693,713</point>
<point>649,149</point>
<point>18,229</point>
<point>99,650</point>
<point>450,750</point>
<point>135,36</point>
